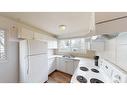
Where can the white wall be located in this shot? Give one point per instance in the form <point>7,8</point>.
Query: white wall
<point>9,69</point>
<point>110,50</point>
<point>116,50</point>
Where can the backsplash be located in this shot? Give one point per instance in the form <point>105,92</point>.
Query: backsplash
<point>87,54</point>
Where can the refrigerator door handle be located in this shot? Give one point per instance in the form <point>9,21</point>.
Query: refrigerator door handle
<point>28,66</point>
<point>28,57</point>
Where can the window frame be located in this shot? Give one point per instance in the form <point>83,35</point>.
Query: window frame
<point>71,49</point>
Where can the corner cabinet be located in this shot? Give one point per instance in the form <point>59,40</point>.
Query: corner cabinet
<point>67,65</point>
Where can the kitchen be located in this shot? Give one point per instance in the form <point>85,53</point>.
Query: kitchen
<point>63,47</point>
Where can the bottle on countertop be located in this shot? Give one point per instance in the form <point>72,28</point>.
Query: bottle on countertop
<point>96,60</point>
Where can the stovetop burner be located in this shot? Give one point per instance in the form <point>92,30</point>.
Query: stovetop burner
<point>94,80</point>
<point>84,69</point>
<point>81,79</point>
<point>95,70</point>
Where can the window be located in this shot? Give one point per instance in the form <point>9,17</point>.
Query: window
<point>77,44</point>
<point>72,45</point>
<point>3,55</point>
<point>64,45</point>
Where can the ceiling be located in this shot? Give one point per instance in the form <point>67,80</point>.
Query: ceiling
<point>76,22</point>
<point>103,16</point>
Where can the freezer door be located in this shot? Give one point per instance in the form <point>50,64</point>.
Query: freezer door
<point>38,69</point>
<point>37,47</point>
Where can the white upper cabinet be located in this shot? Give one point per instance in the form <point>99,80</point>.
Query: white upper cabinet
<point>25,33</point>
<point>38,36</point>
<point>61,64</point>
<point>52,44</point>
<point>69,67</point>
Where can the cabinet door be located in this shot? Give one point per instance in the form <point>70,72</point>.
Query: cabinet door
<point>75,63</point>
<point>26,34</point>
<point>51,65</point>
<point>61,64</point>
<point>38,36</point>
<point>52,44</point>
<point>69,67</point>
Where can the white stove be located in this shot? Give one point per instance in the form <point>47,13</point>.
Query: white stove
<point>87,72</point>
<point>113,72</point>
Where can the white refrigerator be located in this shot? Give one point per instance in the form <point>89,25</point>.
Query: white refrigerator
<point>33,61</point>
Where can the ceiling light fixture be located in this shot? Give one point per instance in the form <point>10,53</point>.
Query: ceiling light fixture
<point>62,27</point>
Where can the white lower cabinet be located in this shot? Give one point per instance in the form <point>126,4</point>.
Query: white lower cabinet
<point>75,65</point>
<point>67,65</point>
<point>51,65</point>
<point>61,64</point>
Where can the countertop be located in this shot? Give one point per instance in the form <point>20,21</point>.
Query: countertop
<point>75,58</point>
<point>86,62</point>
<point>89,63</point>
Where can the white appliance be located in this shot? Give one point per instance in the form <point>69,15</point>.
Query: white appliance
<point>112,73</point>
<point>33,61</point>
